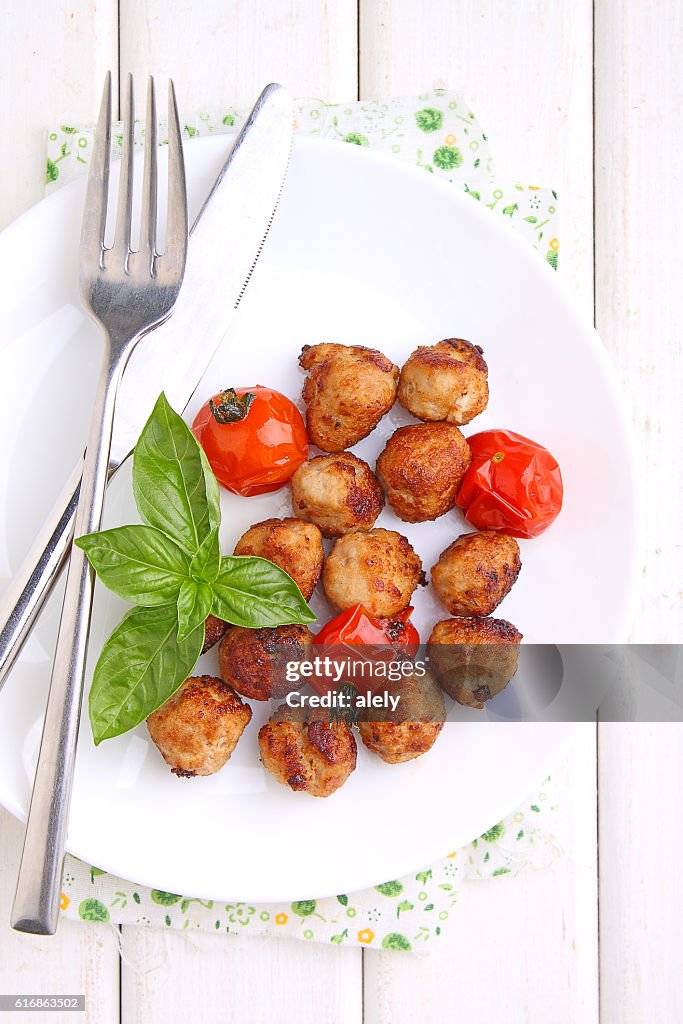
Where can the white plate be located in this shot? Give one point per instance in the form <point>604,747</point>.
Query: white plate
<point>364,250</point>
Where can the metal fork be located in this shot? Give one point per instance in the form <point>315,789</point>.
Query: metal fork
<point>129,294</point>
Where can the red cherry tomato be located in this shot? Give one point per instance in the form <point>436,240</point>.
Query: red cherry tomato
<point>513,484</point>
<point>356,626</point>
<point>382,640</point>
<point>253,445</point>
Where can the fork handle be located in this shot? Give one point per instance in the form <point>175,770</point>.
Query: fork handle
<point>37,573</point>
<point>36,903</point>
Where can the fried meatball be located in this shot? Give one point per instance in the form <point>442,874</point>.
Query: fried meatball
<point>378,569</point>
<point>254,661</point>
<point>447,381</point>
<point>295,546</point>
<point>313,757</point>
<point>339,493</point>
<point>413,728</point>
<point>197,728</point>
<point>474,658</point>
<point>422,468</point>
<point>214,629</point>
<point>348,390</point>
<point>476,571</point>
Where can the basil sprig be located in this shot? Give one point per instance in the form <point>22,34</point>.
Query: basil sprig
<point>172,569</point>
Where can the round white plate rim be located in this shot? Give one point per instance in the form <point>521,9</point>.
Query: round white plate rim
<point>627,605</point>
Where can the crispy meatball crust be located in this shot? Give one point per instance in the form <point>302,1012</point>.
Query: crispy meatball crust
<point>296,546</point>
<point>214,629</point>
<point>422,468</point>
<point>413,728</point>
<point>339,493</point>
<point>310,757</point>
<point>253,661</point>
<point>197,729</point>
<point>476,571</point>
<point>379,570</point>
<point>446,381</point>
<point>474,657</point>
<point>348,390</point>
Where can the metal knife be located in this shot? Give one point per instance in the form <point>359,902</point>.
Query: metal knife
<point>225,243</point>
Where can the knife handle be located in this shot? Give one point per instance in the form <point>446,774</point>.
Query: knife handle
<point>38,573</point>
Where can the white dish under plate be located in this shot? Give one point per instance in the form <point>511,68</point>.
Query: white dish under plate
<point>368,251</point>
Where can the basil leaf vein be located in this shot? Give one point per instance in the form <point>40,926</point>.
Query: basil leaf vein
<point>174,488</point>
<point>194,604</point>
<point>206,563</point>
<point>252,592</point>
<point>138,563</point>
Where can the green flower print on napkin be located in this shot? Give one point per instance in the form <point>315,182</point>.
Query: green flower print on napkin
<point>429,119</point>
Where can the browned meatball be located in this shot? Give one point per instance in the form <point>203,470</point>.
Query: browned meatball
<point>254,661</point>
<point>339,493</point>
<point>348,390</point>
<point>295,546</point>
<point>446,381</point>
<point>413,728</point>
<point>474,658</point>
<point>313,757</point>
<point>197,728</point>
<point>476,571</point>
<point>422,468</point>
<point>214,629</point>
<point>379,570</point>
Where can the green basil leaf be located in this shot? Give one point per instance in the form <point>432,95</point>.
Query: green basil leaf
<point>138,563</point>
<point>253,592</point>
<point>194,604</point>
<point>174,487</point>
<point>206,564</point>
<point>140,667</point>
<point>213,496</point>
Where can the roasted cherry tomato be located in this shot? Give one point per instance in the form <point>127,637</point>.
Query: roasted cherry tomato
<point>513,484</point>
<point>254,438</point>
<point>382,640</point>
<point>356,626</point>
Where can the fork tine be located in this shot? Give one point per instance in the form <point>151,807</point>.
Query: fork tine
<point>177,226</point>
<point>95,212</point>
<point>124,212</point>
<point>148,224</point>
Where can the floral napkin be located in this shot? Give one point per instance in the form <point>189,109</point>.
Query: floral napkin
<point>405,914</point>
<point>438,132</point>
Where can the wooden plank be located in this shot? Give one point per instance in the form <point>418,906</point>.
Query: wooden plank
<point>517,949</point>
<point>80,959</point>
<point>224,51</point>
<point>231,979</point>
<point>641,887</point>
<point>639,163</point>
<point>540,127</point>
<point>53,58</point>
<point>218,53</point>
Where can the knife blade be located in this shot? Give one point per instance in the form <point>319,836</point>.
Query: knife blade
<point>226,240</point>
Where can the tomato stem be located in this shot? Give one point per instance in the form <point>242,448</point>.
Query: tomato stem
<point>231,408</point>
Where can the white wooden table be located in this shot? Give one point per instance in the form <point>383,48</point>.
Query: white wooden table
<point>585,96</point>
